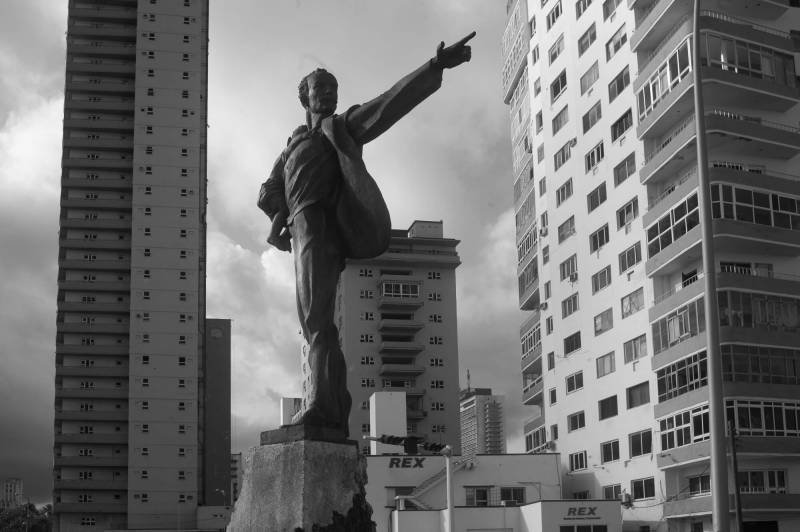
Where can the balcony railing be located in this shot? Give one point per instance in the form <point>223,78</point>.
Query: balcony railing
<point>692,172</point>
<point>649,156</point>
<point>664,41</point>
<point>675,289</point>
<point>736,20</point>
<point>754,119</point>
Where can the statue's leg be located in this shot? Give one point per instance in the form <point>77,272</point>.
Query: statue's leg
<point>318,260</point>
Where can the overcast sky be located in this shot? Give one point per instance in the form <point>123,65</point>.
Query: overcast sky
<point>449,160</point>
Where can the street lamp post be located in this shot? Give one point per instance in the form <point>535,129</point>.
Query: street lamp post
<point>716,410</point>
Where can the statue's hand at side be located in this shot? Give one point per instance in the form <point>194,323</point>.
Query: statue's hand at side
<point>455,54</point>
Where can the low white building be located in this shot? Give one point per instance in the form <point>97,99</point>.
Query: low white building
<point>503,493</point>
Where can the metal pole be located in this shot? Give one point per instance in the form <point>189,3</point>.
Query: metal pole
<point>737,497</point>
<point>716,410</point>
<point>447,452</point>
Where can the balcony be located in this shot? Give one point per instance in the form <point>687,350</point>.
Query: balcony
<point>415,415</point>
<point>122,307</point>
<point>114,69</point>
<point>93,415</point>
<point>92,485</point>
<point>101,30</point>
<point>92,328</point>
<point>97,184</point>
<point>94,507</point>
<point>102,85</point>
<point>92,372</point>
<point>731,235</point>
<point>114,438</point>
<point>101,105</point>
<point>682,456</point>
<point>126,50</point>
<point>532,360</point>
<point>529,297</point>
<point>751,502</point>
<point>532,392</point>
<point>91,393</point>
<point>407,302</point>
<point>402,348</point>
<point>748,136</point>
<point>118,349</point>
<point>656,24</point>
<point>91,461</point>
<point>98,203</point>
<point>400,369</point>
<point>100,124</point>
<point>81,243</point>
<point>103,163</point>
<point>104,13</point>
<point>676,296</point>
<point>678,255</point>
<point>399,325</point>
<point>95,286</point>
<point>533,423</point>
<point>99,223</point>
<point>124,144</point>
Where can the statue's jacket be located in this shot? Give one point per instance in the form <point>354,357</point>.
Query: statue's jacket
<point>361,214</point>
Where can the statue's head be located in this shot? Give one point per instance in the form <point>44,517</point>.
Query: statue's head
<point>318,92</point>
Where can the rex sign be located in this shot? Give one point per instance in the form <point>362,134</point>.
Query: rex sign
<point>407,462</point>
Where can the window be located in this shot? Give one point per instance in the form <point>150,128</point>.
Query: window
<point>539,122</point>
<point>590,77</point>
<point>569,305</point>
<point>435,340</point>
<point>666,77</point>
<point>605,365</point>
<point>556,49</point>
<point>598,239</point>
<point>438,428</point>
<point>437,362</point>
<point>603,322</point>
<point>581,6</point>
<point>548,325</point>
<point>563,154</point>
<point>616,42</point>
<point>367,361</point>
<point>763,481</point>
<point>558,86</point>
<point>365,428</point>
<point>545,255</point>
<point>477,495</point>
<point>640,443</point>
<point>612,492</point>
<point>596,197</point>
<point>679,325</point>
<point>400,290</point>
<point>607,408</point>
<point>553,396</point>
<point>586,40</point>
<point>554,432</point>
<point>576,421</point>
<point>630,257</point>
<point>564,192</point>
<point>673,225</point>
<point>513,494</point>
<point>682,376</point>
<point>635,349</point>
<point>625,169</point>
<point>609,451</point>
<point>643,488</point>
<point>437,384</point>
<point>574,382</point>
<point>577,461</point>
<point>622,125</point>
<point>560,120</point>
<point>567,229</point>
<point>593,158</point>
<point>437,406</point>
<point>551,360</point>
<point>638,395</point>
<point>181,361</point>
<point>632,303</point>
<point>592,117</point>
<point>627,213</point>
<point>366,294</point>
<point>547,289</point>
<point>609,7</point>
<point>568,267</point>
<point>700,485</point>
<point>581,495</point>
<point>618,84</point>
<point>367,316</point>
<point>553,15</point>
<point>572,343</point>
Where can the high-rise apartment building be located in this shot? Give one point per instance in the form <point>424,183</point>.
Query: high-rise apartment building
<point>397,323</point>
<point>12,493</point>
<point>482,422</point>
<point>613,354</point>
<point>132,365</point>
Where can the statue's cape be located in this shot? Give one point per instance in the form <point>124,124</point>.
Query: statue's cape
<point>361,212</point>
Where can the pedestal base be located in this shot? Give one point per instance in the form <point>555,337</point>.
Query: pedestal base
<point>303,486</point>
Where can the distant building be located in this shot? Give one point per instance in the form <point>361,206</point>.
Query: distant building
<point>397,318</point>
<point>12,493</point>
<point>482,422</point>
<point>236,474</point>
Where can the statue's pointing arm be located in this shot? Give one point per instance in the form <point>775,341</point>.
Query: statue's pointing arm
<point>371,119</point>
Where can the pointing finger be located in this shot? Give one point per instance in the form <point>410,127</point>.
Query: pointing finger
<point>465,39</point>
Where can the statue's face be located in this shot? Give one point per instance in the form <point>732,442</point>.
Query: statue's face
<point>322,93</point>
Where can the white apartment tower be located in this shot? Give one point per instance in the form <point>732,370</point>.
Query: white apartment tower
<point>613,355</point>
<point>482,422</point>
<point>130,346</point>
<point>397,323</point>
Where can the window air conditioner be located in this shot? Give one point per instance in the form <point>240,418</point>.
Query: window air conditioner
<point>573,277</point>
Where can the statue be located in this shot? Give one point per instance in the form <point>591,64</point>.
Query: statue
<point>325,208</point>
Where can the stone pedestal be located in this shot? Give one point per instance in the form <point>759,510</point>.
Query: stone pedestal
<point>294,484</point>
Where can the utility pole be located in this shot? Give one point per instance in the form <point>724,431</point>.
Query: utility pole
<point>716,411</point>
<point>737,495</point>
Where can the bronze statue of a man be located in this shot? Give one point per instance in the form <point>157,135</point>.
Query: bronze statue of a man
<point>320,195</point>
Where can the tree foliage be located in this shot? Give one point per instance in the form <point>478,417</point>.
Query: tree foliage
<point>26,518</point>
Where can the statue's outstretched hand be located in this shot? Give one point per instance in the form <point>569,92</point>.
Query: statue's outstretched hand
<point>455,54</point>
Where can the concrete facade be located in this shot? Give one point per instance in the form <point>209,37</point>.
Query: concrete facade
<point>482,422</point>
<point>397,326</point>
<point>605,191</point>
<point>130,349</point>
